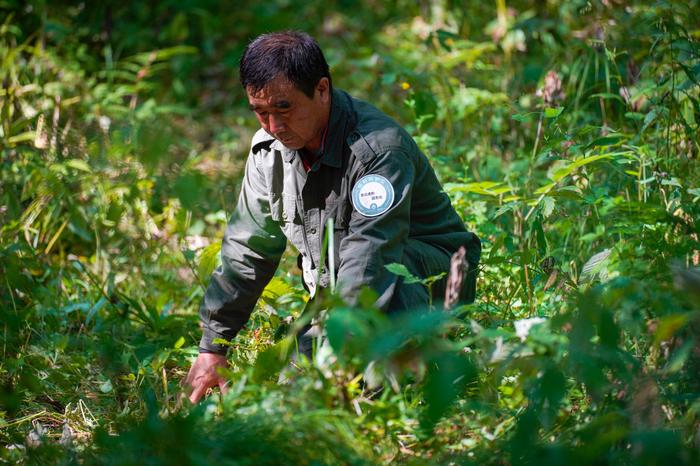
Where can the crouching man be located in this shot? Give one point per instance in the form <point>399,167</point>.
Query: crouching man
<point>321,154</point>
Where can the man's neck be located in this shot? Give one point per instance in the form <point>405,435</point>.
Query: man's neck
<point>315,146</point>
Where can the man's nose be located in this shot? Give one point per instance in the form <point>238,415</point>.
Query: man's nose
<point>276,123</point>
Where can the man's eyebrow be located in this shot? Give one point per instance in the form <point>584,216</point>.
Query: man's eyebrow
<point>279,104</point>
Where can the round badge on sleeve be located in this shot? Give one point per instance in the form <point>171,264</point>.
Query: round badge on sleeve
<point>372,195</point>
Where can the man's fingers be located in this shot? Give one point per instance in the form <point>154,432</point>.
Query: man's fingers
<point>203,375</point>
<point>223,386</point>
<point>198,393</point>
<point>187,385</point>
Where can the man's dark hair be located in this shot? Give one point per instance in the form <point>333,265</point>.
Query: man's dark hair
<point>292,54</point>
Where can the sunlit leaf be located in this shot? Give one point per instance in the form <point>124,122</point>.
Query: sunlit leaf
<point>669,325</point>
<point>277,288</point>
<point>209,259</point>
<point>79,164</point>
<point>596,263</point>
<point>178,344</point>
<point>402,271</point>
<point>548,204</point>
<point>679,357</point>
<point>271,361</point>
<point>553,112</point>
<point>106,386</point>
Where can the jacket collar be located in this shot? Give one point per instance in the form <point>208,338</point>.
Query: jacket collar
<point>340,122</point>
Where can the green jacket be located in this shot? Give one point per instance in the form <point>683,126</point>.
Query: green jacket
<point>369,163</point>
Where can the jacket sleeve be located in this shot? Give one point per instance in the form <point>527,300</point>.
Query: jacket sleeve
<point>250,253</point>
<point>373,242</point>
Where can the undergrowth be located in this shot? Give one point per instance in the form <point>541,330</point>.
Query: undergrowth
<point>566,134</point>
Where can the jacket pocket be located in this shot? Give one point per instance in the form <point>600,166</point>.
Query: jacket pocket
<point>290,209</point>
<point>284,209</point>
<point>275,207</point>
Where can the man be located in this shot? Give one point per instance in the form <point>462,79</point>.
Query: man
<point>322,154</point>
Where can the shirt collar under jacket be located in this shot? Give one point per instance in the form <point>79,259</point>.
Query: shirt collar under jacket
<point>340,123</point>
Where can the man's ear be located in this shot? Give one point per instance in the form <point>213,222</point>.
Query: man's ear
<point>323,88</point>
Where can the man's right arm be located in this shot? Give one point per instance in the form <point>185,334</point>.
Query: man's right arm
<point>250,253</point>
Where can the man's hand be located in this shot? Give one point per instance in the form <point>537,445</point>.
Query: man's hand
<point>204,375</point>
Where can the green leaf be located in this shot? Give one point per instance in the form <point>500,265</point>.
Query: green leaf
<point>503,209</point>
<point>587,160</point>
<point>433,278</point>
<point>695,192</point>
<point>191,184</point>
<point>649,119</point>
<point>447,376</point>
<point>349,331</point>
<point>545,189</point>
<point>402,271</point>
<point>276,288</point>
<point>209,259</point>
<point>82,306</point>
<point>488,188</point>
<point>96,308</point>
<point>79,164</point>
<point>524,117</point>
<point>273,359</point>
<point>596,263</point>
<point>671,182</point>
<point>541,239</point>
<point>679,357</point>
<point>607,96</point>
<point>563,168</point>
<point>634,116</point>
<point>106,387</point>
<point>548,204</point>
<point>553,112</point>
<point>222,341</point>
<point>23,137</point>
<point>607,140</point>
<point>551,392</point>
<point>178,344</point>
<point>669,325</point>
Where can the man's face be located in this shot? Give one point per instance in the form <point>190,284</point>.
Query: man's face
<point>289,115</point>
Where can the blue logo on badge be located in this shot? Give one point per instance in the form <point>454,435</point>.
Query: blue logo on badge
<point>372,195</point>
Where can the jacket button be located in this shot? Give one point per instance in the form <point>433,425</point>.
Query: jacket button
<point>313,231</point>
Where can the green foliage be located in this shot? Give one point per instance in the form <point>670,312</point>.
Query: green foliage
<point>264,435</point>
<point>566,134</point>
